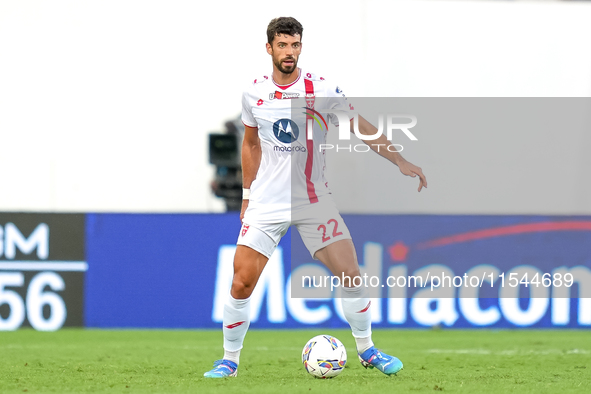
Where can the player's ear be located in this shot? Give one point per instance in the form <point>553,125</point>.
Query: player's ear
<point>269,49</point>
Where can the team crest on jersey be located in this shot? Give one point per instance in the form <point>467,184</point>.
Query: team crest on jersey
<point>283,95</point>
<point>245,228</point>
<point>310,99</point>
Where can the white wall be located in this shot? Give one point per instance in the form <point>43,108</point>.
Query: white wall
<point>106,105</point>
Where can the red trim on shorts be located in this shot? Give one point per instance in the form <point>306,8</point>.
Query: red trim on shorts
<point>310,148</point>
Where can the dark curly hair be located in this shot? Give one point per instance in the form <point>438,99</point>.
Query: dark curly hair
<point>283,25</point>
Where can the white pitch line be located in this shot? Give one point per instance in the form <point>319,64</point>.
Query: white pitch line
<point>44,266</point>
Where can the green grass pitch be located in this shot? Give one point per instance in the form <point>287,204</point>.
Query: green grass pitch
<point>134,361</point>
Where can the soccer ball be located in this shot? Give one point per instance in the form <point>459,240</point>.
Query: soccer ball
<point>324,356</point>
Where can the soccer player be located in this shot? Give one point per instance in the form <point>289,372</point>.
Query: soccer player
<point>283,177</point>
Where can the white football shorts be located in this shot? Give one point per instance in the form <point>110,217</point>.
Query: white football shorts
<point>319,225</point>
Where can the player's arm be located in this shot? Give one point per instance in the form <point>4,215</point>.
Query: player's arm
<point>380,146</point>
<point>251,159</point>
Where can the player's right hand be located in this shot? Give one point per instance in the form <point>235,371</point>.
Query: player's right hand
<point>243,209</point>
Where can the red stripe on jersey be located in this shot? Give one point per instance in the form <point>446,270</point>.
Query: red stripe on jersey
<point>310,147</point>
<point>309,161</point>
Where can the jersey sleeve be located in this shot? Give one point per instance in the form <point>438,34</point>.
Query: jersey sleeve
<point>337,101</point>
<point>247,117</point>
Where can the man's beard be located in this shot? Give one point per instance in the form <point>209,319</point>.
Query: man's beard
<point>288,70</point>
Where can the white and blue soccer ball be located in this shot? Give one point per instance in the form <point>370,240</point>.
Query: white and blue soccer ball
<point>324,356</point>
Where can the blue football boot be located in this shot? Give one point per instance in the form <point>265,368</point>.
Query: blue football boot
<point>222,369</point>
<point>373,358</point>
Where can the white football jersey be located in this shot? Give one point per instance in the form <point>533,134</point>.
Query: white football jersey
<point>292,128</point>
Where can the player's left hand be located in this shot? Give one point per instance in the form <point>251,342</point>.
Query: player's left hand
<point>411,170</point>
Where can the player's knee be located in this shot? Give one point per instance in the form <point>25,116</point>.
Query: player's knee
<point>242,287</point>
<point>351,273</point>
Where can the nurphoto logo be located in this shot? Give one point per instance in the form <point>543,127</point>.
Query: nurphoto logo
<point>392,123</point>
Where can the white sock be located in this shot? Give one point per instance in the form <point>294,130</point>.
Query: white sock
<point>236,322</point>
<point>232,356</point>
<point>363,344</point>
<point>356,306</point>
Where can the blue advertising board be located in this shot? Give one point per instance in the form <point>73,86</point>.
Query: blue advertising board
<point>154,270</point>
<point>174,271</point>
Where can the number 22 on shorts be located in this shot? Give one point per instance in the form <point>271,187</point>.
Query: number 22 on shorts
<point>335,231</point>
